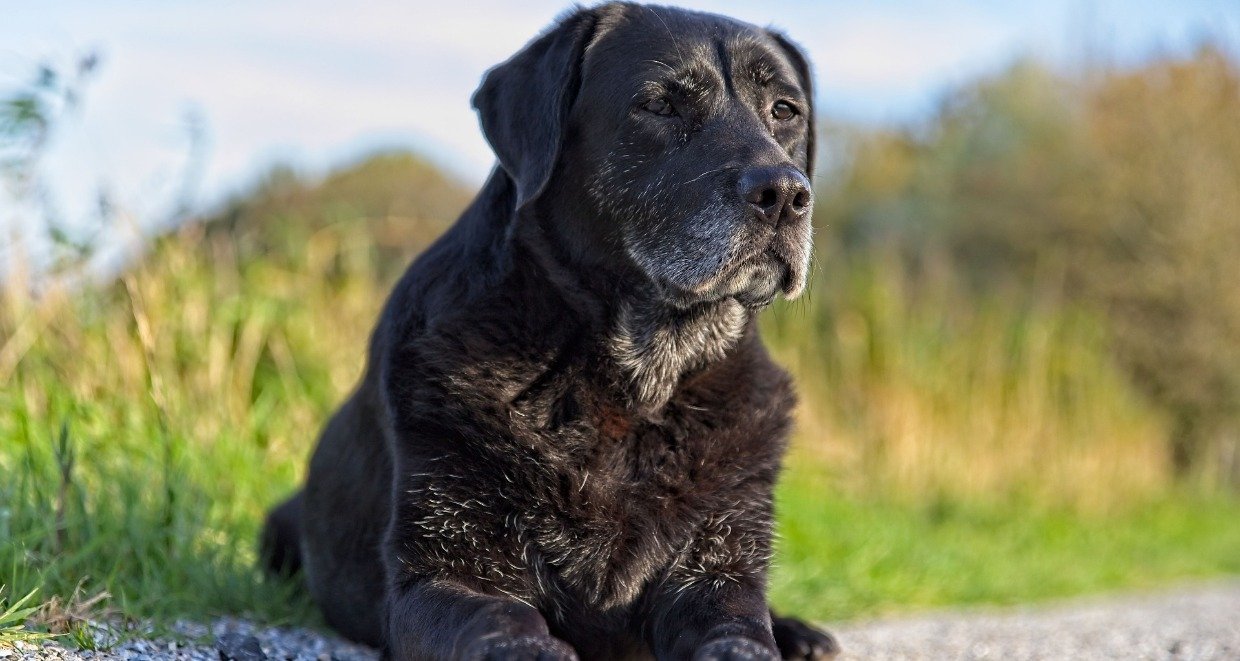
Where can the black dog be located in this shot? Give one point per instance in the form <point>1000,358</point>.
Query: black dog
<point>568,431</point>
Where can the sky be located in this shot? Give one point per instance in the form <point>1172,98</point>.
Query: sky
<point>314,83</point>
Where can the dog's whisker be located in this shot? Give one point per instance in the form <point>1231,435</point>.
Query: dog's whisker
<point>708,172</point>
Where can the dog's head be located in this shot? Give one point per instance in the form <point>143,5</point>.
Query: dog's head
<point>678,145</point>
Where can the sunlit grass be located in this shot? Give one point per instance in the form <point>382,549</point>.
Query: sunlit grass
<point>923,393</point>
<point>842,557</point>
<point>947,455</point>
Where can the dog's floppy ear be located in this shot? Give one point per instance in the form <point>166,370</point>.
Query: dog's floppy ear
<point>523,103</point>
<point>801,63</point>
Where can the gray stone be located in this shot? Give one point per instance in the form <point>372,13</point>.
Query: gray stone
<point>239,647</point>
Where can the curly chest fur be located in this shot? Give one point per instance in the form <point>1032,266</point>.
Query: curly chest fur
<point>599,487</point>
<point>599,526</point>
<point>599,509</point>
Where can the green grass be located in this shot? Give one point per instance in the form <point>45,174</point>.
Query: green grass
<point>13,615</point>
<point>841,557</point>
<point>163,529</point>
<point>146,427</point>
<point>177,549</point>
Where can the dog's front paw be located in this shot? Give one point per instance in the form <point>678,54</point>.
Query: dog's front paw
<point>800,641</point>
<point>735,648</point>
<point>521,648</point>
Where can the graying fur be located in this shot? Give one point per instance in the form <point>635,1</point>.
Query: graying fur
<point>656,345</point>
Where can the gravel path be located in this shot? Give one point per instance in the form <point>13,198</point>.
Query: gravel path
<point>1190,623</point>
<point>1201,622</point>
<point>228,639</point>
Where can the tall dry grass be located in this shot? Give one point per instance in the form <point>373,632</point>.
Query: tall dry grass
<point>158,417</point>
<point>146,426</point>
<point>1113,191</point>
<point>919,392</point>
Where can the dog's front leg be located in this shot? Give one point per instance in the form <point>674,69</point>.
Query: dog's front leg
<point>443,619</point>
<point>712,618</point>
<point>711,603</point>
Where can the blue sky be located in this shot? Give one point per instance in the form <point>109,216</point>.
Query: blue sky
<point>315,82</point>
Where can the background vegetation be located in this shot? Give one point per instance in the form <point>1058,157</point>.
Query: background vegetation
<point>1019,363</point>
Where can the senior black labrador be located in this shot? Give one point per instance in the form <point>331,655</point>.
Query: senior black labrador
<point>568,431</point>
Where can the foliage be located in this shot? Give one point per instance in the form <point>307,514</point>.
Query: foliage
<point>964,437</point>
<point>1114,191</point>
<point>400,200</point>
<point>915,391</point>
<point>29,117</point>
<point>149,425</point>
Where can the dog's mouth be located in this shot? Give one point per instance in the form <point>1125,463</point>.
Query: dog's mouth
<point>754,280</point>
<point>763,277</point>
<point>724,256</point>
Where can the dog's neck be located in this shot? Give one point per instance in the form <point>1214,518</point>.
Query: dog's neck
<point>656,345</point>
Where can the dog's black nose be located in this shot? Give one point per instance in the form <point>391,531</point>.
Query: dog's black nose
<point>776,193</point>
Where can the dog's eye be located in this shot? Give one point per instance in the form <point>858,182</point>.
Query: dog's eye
<point>782,110</point>
<point>660,106</point>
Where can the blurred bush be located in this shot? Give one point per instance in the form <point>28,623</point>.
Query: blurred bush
<point>1113,192</point>
<point>398,199</point>
<point>916,390</point>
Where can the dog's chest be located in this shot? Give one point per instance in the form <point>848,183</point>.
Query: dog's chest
<point>606,545</point>
<point>627,507</point>
<point>591,501</point>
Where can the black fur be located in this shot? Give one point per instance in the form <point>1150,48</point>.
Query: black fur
<point>568,431</point>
